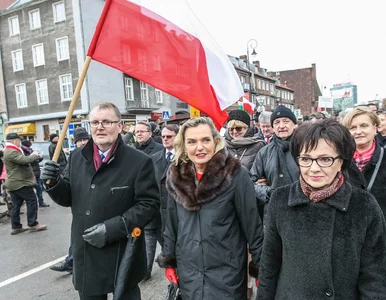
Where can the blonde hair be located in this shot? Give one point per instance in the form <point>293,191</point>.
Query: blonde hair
<point>179,142</point>
<point>359,111</point>
<point>236,123</point>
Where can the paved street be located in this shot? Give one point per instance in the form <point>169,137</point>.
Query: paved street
<point>25,259</point>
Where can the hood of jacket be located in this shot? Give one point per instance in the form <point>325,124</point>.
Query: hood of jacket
<point>240,143</point>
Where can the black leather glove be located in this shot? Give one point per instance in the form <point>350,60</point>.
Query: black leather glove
<point>51,172</point>
<point>96,235</point>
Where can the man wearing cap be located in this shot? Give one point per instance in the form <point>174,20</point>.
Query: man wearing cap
<point>20,182</point>
<point>62,160</point>
<point>26,147</point>
<point>274,166</point>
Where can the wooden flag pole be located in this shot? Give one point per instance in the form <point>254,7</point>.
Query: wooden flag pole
<point>71,109</point>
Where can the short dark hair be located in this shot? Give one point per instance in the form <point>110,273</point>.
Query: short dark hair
<point>146,124</point>
<point>172,127</point>
<point>307,136</point>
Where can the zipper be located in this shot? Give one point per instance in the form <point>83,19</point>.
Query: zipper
<point>118,188</point>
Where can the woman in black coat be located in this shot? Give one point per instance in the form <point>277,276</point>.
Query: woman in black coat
<point>363,124</point>
<point>211,216</point>
<point>324,238</point>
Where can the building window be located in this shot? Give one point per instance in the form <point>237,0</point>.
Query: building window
<point>13,26</point>
<point>38,55</point>
<point>129,91</point>
<point>62,52</point>
<point>65,82</point>
<point>17,60</point>
<point>259,84</point>
<point>271,87</point>
<point>21,95</point>
<point>59,12</point>
<point>243,80</point>
<point>41,91</point>
<point>144,91</point>
<point>158,96</point>
<point>34,19</point>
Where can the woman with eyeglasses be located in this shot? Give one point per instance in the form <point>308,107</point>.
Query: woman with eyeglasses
<point>324,238</point>
<point>211,217</point>
<point>240,140</point>
<point>368,169</point>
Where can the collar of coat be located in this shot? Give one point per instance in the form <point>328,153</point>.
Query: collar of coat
<point>340,200</point>
<point>88,149</point>
<point>218,175</point>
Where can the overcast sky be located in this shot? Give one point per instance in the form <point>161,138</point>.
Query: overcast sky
<point>345,38</point>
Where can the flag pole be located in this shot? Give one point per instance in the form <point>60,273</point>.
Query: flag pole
<point>71,109</point>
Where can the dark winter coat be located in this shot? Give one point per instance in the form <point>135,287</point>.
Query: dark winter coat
<point>209,224</point>
<point>362,179</point>
<point>62,159</point>
<point>328,250</point>
<point>161,166</point>
<point>35,165</point>
<point>122,193</point>
<point>244,149</point>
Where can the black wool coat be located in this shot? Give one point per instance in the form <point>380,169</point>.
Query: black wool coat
<point>208,226</point>
<point>328,250</point>
<point>362,179</point>
<point>122,194</point>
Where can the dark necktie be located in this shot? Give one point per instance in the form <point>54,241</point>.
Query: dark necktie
<point>102,157</point>
<point>169,156</point>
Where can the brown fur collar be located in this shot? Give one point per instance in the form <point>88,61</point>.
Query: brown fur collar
<point>218,175</point>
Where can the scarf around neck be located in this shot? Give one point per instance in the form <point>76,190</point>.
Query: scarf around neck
<point>283,144</point>
<point>361,159</point>
<point>319,195</point>
<point>12,146</point>
<point>97,158</point>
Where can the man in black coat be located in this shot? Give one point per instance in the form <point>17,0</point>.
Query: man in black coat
<point>144,141</point>
<point>161,161</point>
<point>111,189</point>
<point>62,159</point>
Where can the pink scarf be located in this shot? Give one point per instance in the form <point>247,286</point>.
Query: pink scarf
<point>319,195</point>
<point>361,159</point>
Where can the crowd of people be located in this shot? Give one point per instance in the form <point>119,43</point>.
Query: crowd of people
<point>293,210</point>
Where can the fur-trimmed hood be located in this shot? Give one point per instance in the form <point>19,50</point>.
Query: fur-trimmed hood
<point>218,175</point>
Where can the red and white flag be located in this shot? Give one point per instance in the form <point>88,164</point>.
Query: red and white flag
<point>245,104</point>
<point>163,44</point>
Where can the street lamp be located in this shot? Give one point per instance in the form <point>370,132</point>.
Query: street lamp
<point>252,43</point>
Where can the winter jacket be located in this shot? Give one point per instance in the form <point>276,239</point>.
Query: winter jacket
<point>19,170</point>
<point>62,159</point>
<point>334,249</point>
<point>362,179</point>
<point>150,147</point>
<point>122,194</point>
<point>244,149</point>
<point>209,224</point>
<point>35,165</point>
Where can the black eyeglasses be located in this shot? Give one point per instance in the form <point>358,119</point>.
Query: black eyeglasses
<point>141,131</point>
<point>167,136</point>
<point>104,123</point>
<point>238,128</point>
<point>323,162</point>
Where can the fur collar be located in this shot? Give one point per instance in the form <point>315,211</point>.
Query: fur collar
<point>218,175</point>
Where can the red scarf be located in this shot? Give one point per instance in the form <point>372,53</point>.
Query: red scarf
<point>10,146</point>
<point>319,195</point>
<point>97,158</point>
<point>361,159</point>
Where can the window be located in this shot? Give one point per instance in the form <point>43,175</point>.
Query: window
<point>17,60</point>
<point>41,91</point>
<point>21,95</point>
<point>59,12</point>
<point>65,82</point>
<point>129,91</point>
<point>34,19</point>
<point>62,52</point>
<point>158,96</point>
<point>144,91</point>
<point>38,55</point>
<point>259,84</point>
<point>13,26</point>
<point>243,79</point>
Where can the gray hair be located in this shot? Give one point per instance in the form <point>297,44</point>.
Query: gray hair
<point>265,117</point>
<point>106,105</point>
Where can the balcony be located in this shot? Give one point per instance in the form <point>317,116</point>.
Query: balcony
<point>139,106</point>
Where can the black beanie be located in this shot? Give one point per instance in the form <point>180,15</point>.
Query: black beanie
<point>282,112</point>
<point>52,136</point>
<point>80,133</point>
<point>240,115</point>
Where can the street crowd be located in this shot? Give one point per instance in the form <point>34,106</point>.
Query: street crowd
<point>293,209</point>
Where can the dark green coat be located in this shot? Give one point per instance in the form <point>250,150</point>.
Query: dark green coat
<point>328,250</point>
<point>125,186</point>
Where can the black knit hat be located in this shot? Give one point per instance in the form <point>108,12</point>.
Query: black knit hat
<point>240,115</point>
<point>52,136</point>
<point>282,112</point>
<point>80,133</point>
<point>26,143</point>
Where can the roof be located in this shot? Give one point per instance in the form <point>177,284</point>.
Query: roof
<point>4,4</point>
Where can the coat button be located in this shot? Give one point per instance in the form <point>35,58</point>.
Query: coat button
<point>281,175</point>
<point>200,272</point>
<point>329,293</point>
<point>198,242</point>
<point>88,212</point>
<point>93,186</point>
